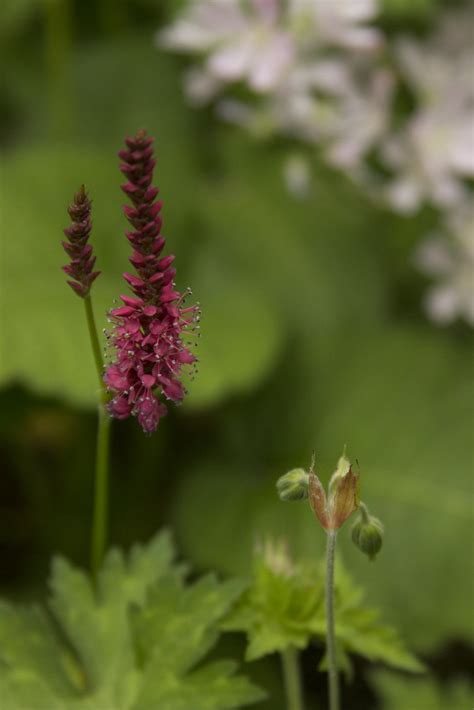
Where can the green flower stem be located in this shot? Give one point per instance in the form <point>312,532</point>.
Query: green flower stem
<point>364,511</point>
<point>101,486</point>
<point>292,678</point>
<point>96,349</point>
<point>333,681</point>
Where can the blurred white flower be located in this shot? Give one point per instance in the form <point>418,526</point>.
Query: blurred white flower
<point>450,259</point>
<point>306,61</point>
<point>314,76</point>
<point>433,153</point>
<point>337,24</point>
<point>240,41</point>
<point>361,121</point>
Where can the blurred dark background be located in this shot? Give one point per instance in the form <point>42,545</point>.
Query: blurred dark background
<point>313,337</point>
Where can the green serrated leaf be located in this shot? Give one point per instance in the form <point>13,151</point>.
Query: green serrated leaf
<point>284,607</point>
<point>131,643</point>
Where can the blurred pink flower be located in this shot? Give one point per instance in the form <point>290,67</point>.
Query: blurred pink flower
<point>146,337</point>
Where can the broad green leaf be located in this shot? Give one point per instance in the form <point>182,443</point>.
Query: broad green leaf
<point>231,358</point>
<point>422,693</point>
<point>132,643</point>
<point>14,15</point>
<point>284,607</point>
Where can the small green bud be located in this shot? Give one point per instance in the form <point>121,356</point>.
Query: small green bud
<point>293,485</point>
<point>367,533</point>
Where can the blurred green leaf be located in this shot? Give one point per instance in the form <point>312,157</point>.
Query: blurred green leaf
<point>398,691</point>
<point>231,358</point>
<point>14,15</point>
<point>284,607</point>
<point>408,9</point>
<point>48,341</point>
<point>132,644</point>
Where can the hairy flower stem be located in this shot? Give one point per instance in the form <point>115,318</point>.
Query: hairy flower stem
<point>292,678</point>
<point>333,681</point>
<point>101,485</point>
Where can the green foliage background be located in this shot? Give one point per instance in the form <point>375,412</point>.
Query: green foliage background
<point>313,336</point>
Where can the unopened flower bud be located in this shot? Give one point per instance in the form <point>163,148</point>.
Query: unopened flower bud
<point>367,533</point>
<point>293,485</point>
<point>81,266</point>
<point>333,510</point>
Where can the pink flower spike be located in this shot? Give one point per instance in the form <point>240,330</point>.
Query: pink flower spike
<point>79,251</point>
<point>146,336</point>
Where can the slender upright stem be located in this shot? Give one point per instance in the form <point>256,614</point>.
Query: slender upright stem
<point>96,349</point>
<point>101,484</point>
<point>292,678</point>
<point>101,491</point>
<point>333,681</point>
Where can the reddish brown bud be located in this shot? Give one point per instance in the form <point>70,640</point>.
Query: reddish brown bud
<point>317,501</point>
<point>332,511</point>
<point>344,499</point>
